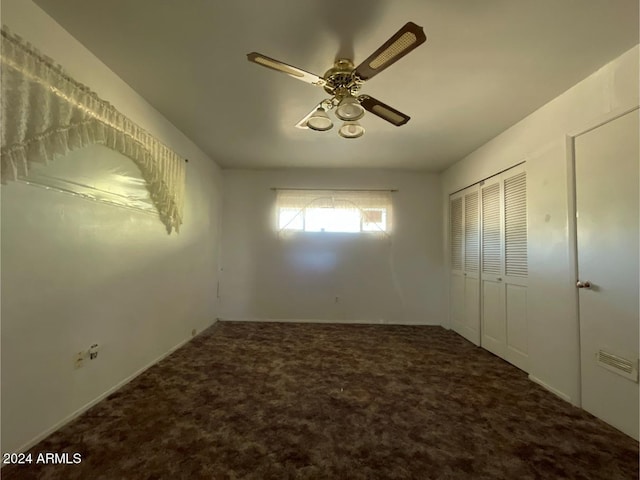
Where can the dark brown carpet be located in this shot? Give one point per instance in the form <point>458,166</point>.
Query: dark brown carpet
<point>294,401</point>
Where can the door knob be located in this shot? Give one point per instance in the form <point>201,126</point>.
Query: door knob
<point>586,284</point>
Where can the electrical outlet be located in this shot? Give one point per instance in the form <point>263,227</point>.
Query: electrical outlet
<point>78,360</point>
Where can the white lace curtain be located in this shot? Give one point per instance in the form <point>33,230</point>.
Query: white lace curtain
<point>45,113</point>
<point>358,199</point>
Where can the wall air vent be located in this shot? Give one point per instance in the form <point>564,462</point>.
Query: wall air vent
<point>622,366</point>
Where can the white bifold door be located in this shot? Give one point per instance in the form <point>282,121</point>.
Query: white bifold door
<point>464,234</point>
<point>503,272</point>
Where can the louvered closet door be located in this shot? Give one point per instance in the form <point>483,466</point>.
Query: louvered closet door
<point>464,238</point>
<point>504,266</point>
<point>456,261</point>
<point>493,316</point>
<point>471,272</point>
<point>515,275</point>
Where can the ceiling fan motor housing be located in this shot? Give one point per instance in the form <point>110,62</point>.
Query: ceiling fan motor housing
<point>340,79</point>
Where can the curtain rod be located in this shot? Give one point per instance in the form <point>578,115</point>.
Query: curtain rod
<point>340,189</point>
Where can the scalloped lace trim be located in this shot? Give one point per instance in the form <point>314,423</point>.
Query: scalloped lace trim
<point>45,113</point>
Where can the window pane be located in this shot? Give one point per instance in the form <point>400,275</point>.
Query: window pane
<point>332,220</point>
<point>290,219</point>
<point>334,210</point>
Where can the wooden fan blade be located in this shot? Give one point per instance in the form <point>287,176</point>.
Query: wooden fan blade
<point>294,72</point>
<point>405,40</point>
<point>383,111</point>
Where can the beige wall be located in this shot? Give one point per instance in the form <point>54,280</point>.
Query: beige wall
<point>377,279</point>
<point>76,272</point>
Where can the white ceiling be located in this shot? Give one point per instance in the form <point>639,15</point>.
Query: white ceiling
<point>485,65</point>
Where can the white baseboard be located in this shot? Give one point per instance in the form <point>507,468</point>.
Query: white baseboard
<point>556,392</point>
<point>468,334</point>
<point>378,321</point>
<point>38,438</point>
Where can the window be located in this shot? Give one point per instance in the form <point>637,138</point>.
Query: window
<point>351,211</point>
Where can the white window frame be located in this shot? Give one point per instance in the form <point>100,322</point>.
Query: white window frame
<point>307,200</point>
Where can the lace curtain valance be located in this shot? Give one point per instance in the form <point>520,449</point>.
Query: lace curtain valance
<point>46,113</point>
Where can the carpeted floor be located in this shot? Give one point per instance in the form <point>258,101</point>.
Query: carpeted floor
<point>309,401</point>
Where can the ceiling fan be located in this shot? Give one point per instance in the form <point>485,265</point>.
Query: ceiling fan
<point>343,83</point>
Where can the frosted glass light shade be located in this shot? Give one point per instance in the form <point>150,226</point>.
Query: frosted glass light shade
<point>319,121</point>
<point>351,130</point>
<point>349,109</point>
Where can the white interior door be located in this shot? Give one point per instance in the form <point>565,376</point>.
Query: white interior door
<point>464,234</point>
<point>516,267</point>
<point>504,272</point>
<point>472,265</point>
<point>456,261</point>
<point>494,327</point>
<point>606,161</point>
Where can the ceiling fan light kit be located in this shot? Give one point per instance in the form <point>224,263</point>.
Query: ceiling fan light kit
<point>351,130</point>
<point>319,121</point>
<point>343,83</point>
<point>349,109</point>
